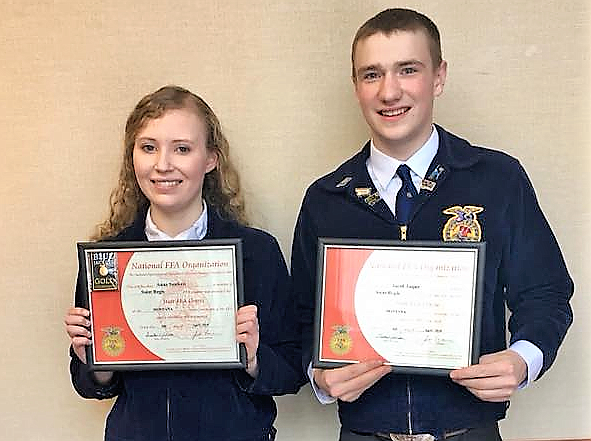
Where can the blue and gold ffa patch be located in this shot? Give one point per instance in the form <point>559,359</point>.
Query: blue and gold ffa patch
<point>463,226</point>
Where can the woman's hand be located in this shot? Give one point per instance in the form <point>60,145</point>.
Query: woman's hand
<point>78,329</point>
<point>247,332</point>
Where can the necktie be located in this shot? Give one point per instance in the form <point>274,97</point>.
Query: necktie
<point>405,196</point>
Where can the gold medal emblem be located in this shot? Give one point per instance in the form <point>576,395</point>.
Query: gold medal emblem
<point>340,340</point>
<point>113,343</point>
<point>103,270</point>
<point>463,226</point>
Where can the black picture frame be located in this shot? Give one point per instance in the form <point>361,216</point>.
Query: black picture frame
<point>181,309</point>
<point>345,334</point>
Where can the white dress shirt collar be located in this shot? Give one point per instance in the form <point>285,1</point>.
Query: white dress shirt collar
<point>384,167</point>
<point>197,231</point>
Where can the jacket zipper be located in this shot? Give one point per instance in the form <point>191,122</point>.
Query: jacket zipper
<point>168,435</point>
<point>403,230</point>
<point>409,405</point>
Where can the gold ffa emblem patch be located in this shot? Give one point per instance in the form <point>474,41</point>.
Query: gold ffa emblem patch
<point>113,343</point>
<point>340,340</point>
<point>463,226</point>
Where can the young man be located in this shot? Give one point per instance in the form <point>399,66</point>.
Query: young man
<point>397,73</point>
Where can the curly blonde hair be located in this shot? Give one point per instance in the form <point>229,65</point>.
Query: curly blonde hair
<point>221,186</point>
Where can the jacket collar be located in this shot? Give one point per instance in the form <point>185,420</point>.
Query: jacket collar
<point>352,175</point>
<point>135,231</point>
<point>455,152</point>
<point>217,228</point>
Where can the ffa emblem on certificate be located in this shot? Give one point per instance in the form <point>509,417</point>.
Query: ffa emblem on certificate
<point>104,270</point>
<point>463,226</point>
<point>340,340</point>
<point>112,343</point>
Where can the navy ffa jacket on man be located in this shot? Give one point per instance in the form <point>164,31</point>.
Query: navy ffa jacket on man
<point>524,270</point>
<point>211,404</point>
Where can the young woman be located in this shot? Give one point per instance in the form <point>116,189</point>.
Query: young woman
<point>177,183</point>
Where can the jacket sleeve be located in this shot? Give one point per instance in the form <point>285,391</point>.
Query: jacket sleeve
<point>82,378</point>
<point>303,273</point>
<point>538,286</point>
<point>279,351</point>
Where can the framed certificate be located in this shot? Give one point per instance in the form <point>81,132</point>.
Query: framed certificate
<point>415,305</point>
<point>163,305</point>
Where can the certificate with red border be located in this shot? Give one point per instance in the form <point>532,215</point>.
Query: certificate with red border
<point>163,305</point>
<point>414,305</point>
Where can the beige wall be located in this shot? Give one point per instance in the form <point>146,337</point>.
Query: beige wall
<point>276,73</point>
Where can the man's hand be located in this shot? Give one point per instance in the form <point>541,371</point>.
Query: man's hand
<point>347,383</point>
<point>495,377</point>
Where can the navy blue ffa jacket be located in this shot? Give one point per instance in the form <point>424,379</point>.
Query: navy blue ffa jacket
<point>474,194</point>
<point>211,404</point>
